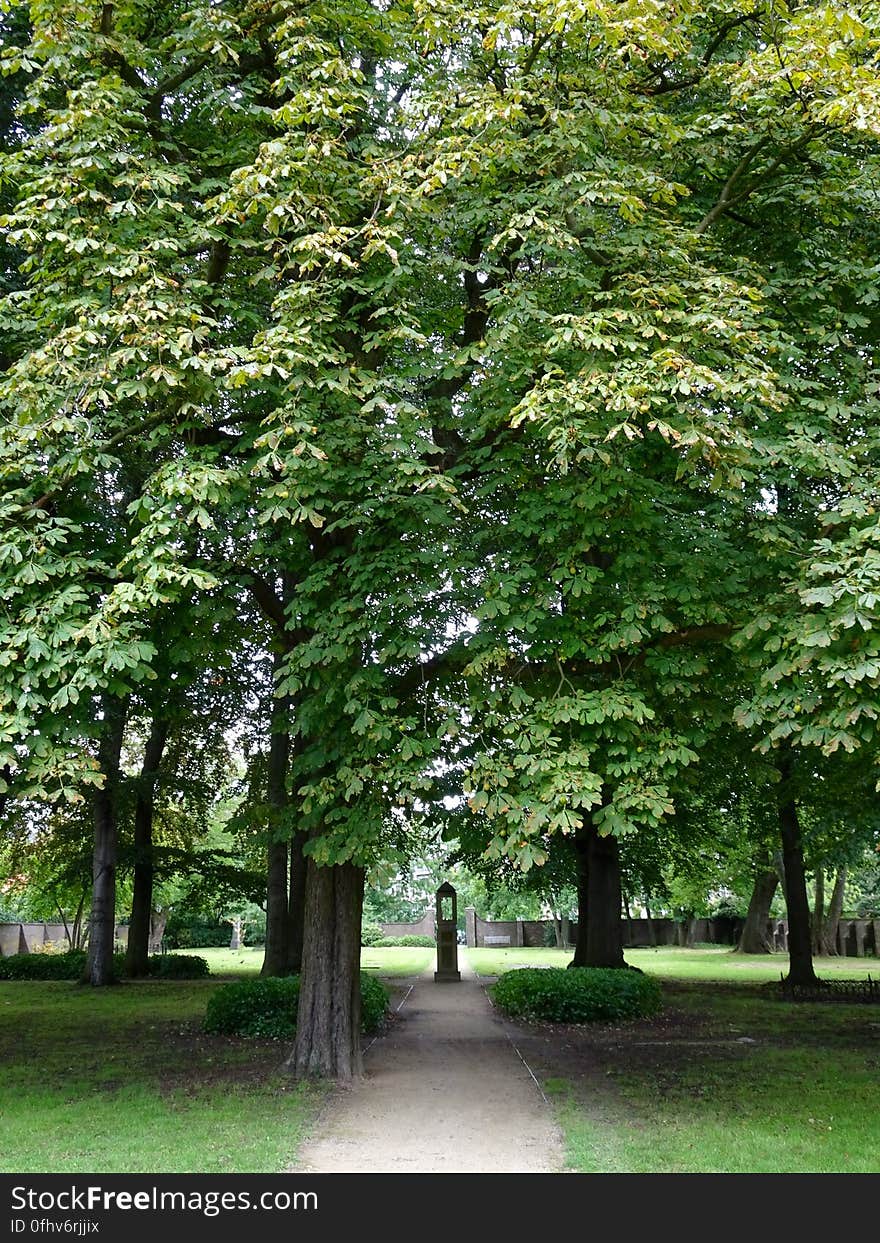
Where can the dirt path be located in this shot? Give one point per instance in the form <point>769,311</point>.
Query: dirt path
<point>445,1092</point>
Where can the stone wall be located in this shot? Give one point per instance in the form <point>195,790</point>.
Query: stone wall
<point>26,938</point>
<point>423,927</point>
<point>855,937</point>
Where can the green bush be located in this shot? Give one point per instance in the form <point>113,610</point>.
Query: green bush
<point>179,967</point>
<point>415,942</point>
<point>371,934</point>
<point>72,965</point>
<point>266,1007</point>
<point>577,995</point>
<point>69,966</point>
<point>374,1002</point>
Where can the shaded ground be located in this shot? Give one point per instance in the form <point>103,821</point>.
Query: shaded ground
<point>724,1079</point>
<point>445,1091</point>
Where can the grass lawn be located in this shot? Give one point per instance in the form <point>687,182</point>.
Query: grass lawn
<point>123,1080</point>
<point>399,961</point>
<point>715,962</point>
<point>724,1080</point>
<point>688,1097</point>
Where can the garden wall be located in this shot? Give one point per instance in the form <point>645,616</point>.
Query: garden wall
<point>26,938</point>
<point>422,928</point>
<point>855,937</point>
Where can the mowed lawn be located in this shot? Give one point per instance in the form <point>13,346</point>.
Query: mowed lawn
<point>727,1079</point>
<point>394,962</point>
<point>712,962</point>
<point>123,1080</point>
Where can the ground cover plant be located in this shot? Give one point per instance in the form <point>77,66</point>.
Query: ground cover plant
<point>266,1007</point>
<point>71,965</point>
<point>124,1080</point>
<point>724,1080</point>
<point>582,995</point>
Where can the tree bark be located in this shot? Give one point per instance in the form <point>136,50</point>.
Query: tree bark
<point>102,924</point>
<point>137,951</point>
<point>604,925</point>
<point>800,953</point>
<point>296,906</point>
<point>755,937</point>
<point>652,931</point>
<point>832,920</point>
<point>328,1043</point>
<point>275,960</point>
<point>582,863</point>
<point>818,925</point>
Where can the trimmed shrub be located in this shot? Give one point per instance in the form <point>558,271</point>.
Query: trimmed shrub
<point>179,967</point>
<point>577,994</point>
<point>371,934</point>
<point>266,1007</point>
<point>412,941</point>
<point>69,966</point>
<point>374,1002</point>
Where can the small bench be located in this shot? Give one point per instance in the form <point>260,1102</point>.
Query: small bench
<point>496,940</point>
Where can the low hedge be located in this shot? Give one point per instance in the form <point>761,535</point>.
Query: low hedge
<point>411,941</point>
<point>72,965</point>
<point>68,966</point>
<point>577,995</point>
<point>266,1007</point>
<point>179,966</point>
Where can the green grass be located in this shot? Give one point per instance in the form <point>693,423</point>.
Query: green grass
<point>123,1080</point>
<point>804,1098</point>
<point>400,961</point>
<point>715,962</point>
<point>682,1094</point>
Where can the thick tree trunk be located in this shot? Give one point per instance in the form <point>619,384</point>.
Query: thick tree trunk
<point>277,897</point>
<point>832,920</point>
<point>604,925</point>
<point>99,967</point>
<point>755,937</point>
<point>800,970</point>
<point>137,952</point>
<point>296,906</point>
<point>582,858</point>
<point>328,1043</point>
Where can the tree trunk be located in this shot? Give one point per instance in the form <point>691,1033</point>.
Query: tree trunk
<point>296,906</point>
<point>582,857</point>
<point>629,919</point>
<point>818,923</point>
<point>99,967</point>
<point>275,960</point>
<point>328,1043</point>
<point>652,931</point>
<point>800,969</point>
<point>604,925</point>
<point>755,937</point>
<point>137,952</point>
<point>832,920</point>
